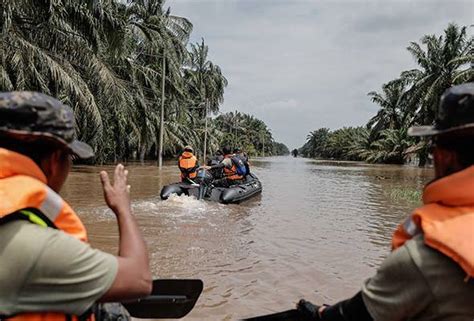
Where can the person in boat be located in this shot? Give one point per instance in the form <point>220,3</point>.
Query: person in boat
<point>217,172</point>
<point>233,169</point>
<point>216,158</point>
<point>188,164</point>
<point>429,275</point>
<point>244,158</point>
<point>48,270</point>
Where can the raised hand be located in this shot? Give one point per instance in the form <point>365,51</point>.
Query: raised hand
<point>117,195</point>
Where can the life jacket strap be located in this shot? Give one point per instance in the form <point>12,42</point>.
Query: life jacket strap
<point>31,215</point>
<point>188,170</point>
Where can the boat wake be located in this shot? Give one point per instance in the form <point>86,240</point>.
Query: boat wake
<point>184,208</point>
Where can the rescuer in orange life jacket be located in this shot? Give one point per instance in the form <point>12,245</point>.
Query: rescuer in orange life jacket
<point>188,164</point>
<point>48,271</point>
<point>234,169</point>
<point>429,274</point>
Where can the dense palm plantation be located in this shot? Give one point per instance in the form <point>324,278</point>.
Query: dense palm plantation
<point>248,133</point>
<point>125,67</point>
<point>412,99</point>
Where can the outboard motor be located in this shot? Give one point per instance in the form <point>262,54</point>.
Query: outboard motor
<point>216,172</point>
<point>204,178</point>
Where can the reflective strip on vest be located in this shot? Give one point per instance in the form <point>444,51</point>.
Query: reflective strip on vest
<point>52,205</point>
<point>410,227</point>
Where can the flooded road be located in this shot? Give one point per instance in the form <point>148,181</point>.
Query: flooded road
<point>317,231</point>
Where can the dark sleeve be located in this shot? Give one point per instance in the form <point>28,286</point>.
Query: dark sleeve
<point>353,309</point>
<point>220,165</point>
<point>398,291</point>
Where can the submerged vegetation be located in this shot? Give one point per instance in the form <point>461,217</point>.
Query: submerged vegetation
<point>118,64</point>
<point>411,99</point>
<point>410,195</point>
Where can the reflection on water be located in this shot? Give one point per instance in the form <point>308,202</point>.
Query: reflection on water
<point>318,230</point>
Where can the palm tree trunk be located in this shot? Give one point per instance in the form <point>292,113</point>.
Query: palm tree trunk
<point>142,153</point>
<point>205,132</point>
<point>162,113</point>
<point>423,157</point>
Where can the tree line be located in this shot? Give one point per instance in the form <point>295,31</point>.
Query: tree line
<point>124,67</point>
<point>411,99</point>
<point>248,133</point>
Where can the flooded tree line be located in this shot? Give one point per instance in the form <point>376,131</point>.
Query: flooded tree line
<point>411,99</point>
<point>125,67</point>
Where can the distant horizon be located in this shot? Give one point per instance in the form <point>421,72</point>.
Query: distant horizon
<point>281,57</point>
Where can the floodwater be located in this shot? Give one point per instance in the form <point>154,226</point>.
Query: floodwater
<point>317,231</point>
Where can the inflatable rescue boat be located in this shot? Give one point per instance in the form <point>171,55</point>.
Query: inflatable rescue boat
<point>202,188</point>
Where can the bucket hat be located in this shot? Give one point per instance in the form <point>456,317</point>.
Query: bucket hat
<point>455,113</point>
<point>31,116</point>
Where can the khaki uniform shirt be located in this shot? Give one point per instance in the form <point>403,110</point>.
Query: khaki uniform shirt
<point>227,162</point>
<point>42,269</point>
<point>419,283</point>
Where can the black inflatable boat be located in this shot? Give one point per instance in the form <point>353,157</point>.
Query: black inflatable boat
<point>202,188</point>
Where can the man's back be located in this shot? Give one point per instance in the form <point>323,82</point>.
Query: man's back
<point>416,280</point>
<point>55,272</point>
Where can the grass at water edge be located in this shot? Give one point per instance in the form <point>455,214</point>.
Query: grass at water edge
<point>406,194</point>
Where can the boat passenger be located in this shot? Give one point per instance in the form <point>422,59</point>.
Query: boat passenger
<point>216,159</point>
<point>48,271</point>
<point>188,164</point>
<point>232,167</point>
<point>217,172</point>
<point>245,159</point>
<point>430,273</point>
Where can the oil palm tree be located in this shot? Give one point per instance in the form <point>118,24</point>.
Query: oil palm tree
<point>162,40</point>
<point>48,43</point>
<point>445,61</point>
<point>361,146</point>
<point>393,102</point>
<point>245,131</point>
<point>316,142</point>
<point>205,78</point>
<point>391,147</point>
<point>206,83</point>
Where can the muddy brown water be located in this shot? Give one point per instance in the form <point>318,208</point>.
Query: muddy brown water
<point>317,231</point>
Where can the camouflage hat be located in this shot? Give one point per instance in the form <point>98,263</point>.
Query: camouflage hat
<point>455,113</point>
<point>28,116</point>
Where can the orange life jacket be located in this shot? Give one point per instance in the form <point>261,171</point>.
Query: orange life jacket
<point>188,165</point>
<point>24,193</point>
<point>446,220</point>
<point>231,173</point>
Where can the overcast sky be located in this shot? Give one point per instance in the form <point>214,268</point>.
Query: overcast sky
<point>300,65</point>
